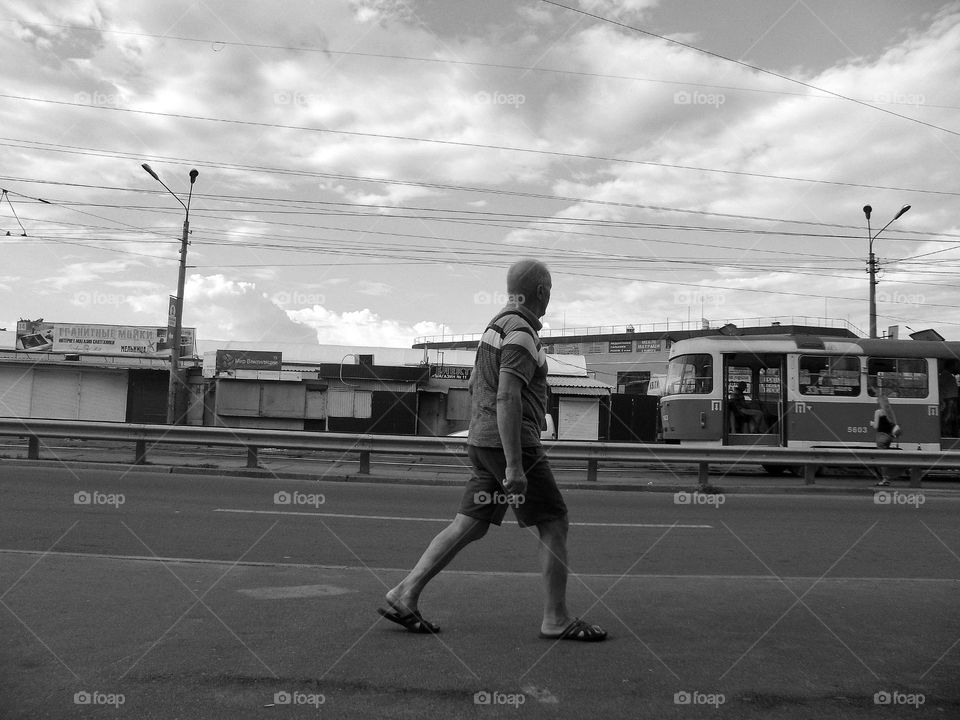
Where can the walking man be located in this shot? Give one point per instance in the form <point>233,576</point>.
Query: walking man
<point>508,388</point>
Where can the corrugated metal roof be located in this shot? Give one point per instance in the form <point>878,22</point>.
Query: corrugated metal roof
<point>578,386</point>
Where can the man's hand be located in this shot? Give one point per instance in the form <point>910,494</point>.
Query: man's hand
<point>515,483</point>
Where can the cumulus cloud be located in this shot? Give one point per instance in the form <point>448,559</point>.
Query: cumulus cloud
<point>363,327</point>
<point>226,309</point>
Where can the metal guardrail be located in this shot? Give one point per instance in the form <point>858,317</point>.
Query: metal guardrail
<point>594,453</point>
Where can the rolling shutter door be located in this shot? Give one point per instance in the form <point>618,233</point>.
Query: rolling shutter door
<point>56,394</point>
<point>16,385</point>
<point>349,403</point>
<point>236,397</point>
<point>103,396</point>
<point>579,418</point>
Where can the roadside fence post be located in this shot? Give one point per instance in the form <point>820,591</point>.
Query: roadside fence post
<point>916,475</point>
<point>592,467</point>
<point>140,454</point>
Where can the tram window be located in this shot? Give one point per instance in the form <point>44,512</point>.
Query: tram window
<point>690,374</point>
<point>836,375</point>
<point>899,377</point>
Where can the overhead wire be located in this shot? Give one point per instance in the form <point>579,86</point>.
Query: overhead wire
<point>457,143</point>
<point>749,66</point>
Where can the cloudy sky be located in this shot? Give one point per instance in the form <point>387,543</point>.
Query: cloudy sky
<point>368,168</point>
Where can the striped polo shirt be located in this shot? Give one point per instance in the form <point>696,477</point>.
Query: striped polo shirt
<point>510,343</point>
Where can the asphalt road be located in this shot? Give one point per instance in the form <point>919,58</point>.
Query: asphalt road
<point>193,596</point>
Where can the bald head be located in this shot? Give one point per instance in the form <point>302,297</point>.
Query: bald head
<point>529,281</point>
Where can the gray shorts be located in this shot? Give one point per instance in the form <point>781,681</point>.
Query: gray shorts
<point>485,499</point>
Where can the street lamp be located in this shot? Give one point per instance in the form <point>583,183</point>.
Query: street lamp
<point>174,342</point>
<point>872,264</point>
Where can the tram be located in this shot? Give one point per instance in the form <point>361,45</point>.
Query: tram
<point>809,391</point>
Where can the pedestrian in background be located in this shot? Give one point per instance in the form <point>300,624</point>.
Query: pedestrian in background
<point>949,391</point>
<point>885,423</point>
<point>508,390</point>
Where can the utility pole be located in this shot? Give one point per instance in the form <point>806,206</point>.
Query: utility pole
<point>175,380</point>
<point>872,264</point>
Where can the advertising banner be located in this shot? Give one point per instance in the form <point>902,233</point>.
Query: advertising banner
<point>42,336</point>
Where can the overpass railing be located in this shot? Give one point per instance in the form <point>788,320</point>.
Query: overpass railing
<point>146,437</point>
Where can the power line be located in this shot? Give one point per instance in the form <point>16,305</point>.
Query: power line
<point>464,144</point>
<point>450,61</point>
<point>747,65</point>
<point>923,236</point>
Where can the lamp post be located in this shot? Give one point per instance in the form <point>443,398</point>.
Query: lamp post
<point>174,342</point>
<point>872,264</point>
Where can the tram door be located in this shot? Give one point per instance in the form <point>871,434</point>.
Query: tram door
<point>754,397</point>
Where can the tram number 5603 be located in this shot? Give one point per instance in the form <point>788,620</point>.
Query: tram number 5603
<point>858,429</point>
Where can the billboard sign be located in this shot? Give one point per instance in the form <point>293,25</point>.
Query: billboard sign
<point>101,339</point>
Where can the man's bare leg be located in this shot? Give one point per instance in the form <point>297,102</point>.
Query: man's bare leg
<point>442,549</point>
<point>553,566</point>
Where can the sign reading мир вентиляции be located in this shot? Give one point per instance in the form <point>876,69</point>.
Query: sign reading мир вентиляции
<point>248,360</point>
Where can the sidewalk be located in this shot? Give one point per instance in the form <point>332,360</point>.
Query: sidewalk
<point>414,470</point>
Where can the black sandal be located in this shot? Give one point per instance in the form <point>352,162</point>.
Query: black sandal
<point>412,621</point>
<point>579,630</point>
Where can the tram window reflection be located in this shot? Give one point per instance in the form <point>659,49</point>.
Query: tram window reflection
<point>899,377</point>
<point>837,375</point>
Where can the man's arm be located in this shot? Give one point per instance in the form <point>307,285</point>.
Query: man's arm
<point>509,419</point>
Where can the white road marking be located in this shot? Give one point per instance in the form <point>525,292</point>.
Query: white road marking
<point>447,520</point>
<point>286,592</point>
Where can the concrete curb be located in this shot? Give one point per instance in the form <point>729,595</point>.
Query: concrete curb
<point>437,481</point>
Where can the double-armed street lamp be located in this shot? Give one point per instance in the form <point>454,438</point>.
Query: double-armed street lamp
<point>872,264</point>
<point>174,342</point>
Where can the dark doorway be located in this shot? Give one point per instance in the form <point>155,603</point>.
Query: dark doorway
<point>147,397</point>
